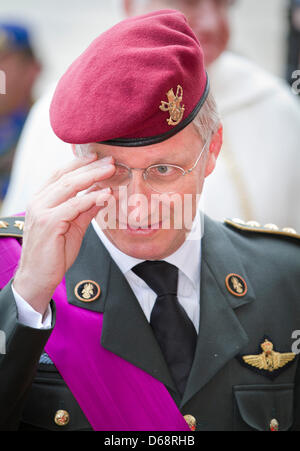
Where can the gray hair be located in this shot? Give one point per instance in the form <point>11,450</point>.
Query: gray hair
<point>207,120</point>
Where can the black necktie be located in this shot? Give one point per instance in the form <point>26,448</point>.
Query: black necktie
<point>172,327</point>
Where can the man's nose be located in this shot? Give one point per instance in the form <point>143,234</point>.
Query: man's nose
<point>137,199</point>
<point>137,184</point>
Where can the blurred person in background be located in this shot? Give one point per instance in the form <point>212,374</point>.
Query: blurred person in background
<point>261,119</point>
<point>21,69</point>
<point>293,40</point>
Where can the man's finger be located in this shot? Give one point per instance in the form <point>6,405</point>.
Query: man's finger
<point>72,208</point>
<point>69,186</point>
<point>71,166</point>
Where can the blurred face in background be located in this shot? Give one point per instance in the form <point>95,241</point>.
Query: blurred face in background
<point>208,18</point>
<point>21,72</point>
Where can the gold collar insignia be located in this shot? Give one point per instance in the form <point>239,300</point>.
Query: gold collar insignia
<point>87,291</point>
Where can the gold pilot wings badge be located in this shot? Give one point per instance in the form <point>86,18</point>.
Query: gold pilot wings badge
<point>269,360</point>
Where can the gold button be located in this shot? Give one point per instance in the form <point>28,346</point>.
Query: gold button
<point>271,227</point>
<point>62,418</point>
<point>253,224</point>
<point>238,221</point>
<point>274,425</point>
<point>289,230</point>
<point>191,421</point>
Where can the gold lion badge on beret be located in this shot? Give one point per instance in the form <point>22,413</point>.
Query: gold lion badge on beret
<point>173,106</point>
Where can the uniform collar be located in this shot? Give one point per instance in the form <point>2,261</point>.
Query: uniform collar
<point>221,335</point>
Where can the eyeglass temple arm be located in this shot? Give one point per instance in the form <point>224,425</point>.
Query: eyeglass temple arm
<point>197,161</point>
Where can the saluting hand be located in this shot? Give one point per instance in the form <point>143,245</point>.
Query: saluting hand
<point>55,224</point>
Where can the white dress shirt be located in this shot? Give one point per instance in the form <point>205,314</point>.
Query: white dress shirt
<point>187,259</point>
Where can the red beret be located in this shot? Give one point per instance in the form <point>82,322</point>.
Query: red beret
<point>138,83</point>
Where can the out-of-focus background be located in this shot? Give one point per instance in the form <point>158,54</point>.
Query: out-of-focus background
<point>256,85</point>
<point>61,29</point>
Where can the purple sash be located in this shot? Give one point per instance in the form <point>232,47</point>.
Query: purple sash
<point>113,394</point>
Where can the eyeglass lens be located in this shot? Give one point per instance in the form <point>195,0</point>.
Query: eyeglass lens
<point>161,178</point>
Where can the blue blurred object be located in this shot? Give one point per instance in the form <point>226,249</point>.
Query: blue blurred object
<point>13,37</point>
<point>10,130</point>
<point>14,41</point>
<point>4,182</point>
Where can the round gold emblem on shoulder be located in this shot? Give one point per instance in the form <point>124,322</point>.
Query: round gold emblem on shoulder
<point>61,418</point>
<point>87,291</point>
<point>191,421</point>
<point>236,285</point>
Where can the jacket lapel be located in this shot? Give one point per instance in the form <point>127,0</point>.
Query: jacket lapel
<point>127,333</point>
<point>221,336</point>
<point>125,330</point>
<point>92,263</point>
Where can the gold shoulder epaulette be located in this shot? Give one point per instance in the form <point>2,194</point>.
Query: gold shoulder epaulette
<point>253,226</point>
<point>12,226</point>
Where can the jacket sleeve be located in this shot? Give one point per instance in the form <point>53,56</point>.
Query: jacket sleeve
<point>20,350</point>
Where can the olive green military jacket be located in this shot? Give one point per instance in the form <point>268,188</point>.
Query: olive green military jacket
<point>250,292</point>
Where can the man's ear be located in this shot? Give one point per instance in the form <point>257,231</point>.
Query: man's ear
<point>128,7</point>
<point>214,151</point>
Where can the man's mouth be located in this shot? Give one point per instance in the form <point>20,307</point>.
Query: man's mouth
<point>144,229</point>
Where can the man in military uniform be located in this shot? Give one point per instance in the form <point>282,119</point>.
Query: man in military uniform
<point>136,323</point>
